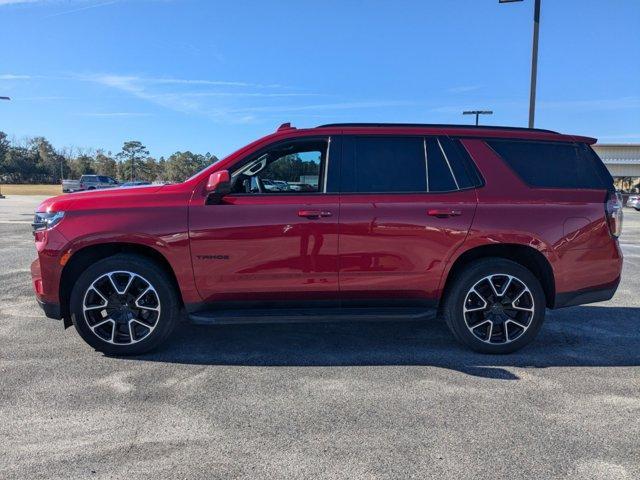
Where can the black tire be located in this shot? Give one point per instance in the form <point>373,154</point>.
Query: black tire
<point>164,301</point>
<point>464,326</point>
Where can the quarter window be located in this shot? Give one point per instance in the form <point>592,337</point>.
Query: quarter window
<point>553,164</point>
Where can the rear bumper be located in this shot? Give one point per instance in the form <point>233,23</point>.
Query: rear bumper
<point>587,295</point>
<point>51,310</point>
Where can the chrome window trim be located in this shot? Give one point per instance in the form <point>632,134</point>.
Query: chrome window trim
<point>446,159</point>
<point>426,161</point>
<point>326,166</point>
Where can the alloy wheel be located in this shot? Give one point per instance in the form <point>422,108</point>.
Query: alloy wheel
<point>121,307</point>
<point>498,309</point>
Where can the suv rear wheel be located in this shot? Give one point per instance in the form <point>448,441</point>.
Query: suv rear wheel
<point>124,305</point>
<point>495,306</point>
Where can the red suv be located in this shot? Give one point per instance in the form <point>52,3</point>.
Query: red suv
<point>487,226</point>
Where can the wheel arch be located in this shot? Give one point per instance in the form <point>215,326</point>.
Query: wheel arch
<point>87,255</point>
<point>524,255</point>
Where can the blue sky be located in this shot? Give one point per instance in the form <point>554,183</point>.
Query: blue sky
<point>212,75</point>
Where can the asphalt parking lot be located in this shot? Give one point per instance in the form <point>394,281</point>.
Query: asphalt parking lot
<point>353,400</point>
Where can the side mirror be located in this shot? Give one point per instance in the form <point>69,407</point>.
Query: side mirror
<point>218,185</point>
<point>219,182</point>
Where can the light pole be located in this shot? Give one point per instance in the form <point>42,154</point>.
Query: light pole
<point>477,113</point>
<point>534,58</point>
<point>3,98</point>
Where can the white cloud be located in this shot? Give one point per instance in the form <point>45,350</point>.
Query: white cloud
<point>150,90</point>
<point>464,88</point>
<point>138,87</point>
<point>327,106</point>
<point>113,114</point>
<point>593,104</point>
<point>86,7</point>
<point>10,76</point>
<point>10,2</point>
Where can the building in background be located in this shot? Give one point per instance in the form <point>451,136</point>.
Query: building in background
<point>623,162</point>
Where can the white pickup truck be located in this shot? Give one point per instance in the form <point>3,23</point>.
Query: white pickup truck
<point>70,186</point>
<point>88,182</point>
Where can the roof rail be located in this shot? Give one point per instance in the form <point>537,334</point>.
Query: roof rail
<point>433,125</point>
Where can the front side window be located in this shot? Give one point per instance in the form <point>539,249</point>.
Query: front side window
<point>295,167</point>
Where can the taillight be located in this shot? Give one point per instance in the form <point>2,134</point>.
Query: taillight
<point>613,210</point>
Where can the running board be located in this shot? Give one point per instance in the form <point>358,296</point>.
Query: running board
<point>302,315</point>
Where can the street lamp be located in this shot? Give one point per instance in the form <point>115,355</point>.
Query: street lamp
<point>3,98</point>
<point>477,113</point>
<point>534,58</point>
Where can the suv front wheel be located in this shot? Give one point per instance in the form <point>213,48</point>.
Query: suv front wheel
<point>495,306</point>
<point>124,305</point>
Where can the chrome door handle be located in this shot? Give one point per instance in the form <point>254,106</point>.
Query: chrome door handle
<point>443,213</point>
<point>314,213</point>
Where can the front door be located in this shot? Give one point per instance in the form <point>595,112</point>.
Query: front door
<point>274,239</point>
<point>406,205</point>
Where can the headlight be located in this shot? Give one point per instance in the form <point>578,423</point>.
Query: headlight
<point>46,220</point>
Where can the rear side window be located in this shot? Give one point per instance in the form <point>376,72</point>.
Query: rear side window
<point>554,164</point>
<point>441,177</point>
<point>405,164</point>
<point>464,169</point>
<point>383,164</point>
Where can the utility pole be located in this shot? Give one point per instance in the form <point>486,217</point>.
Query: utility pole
<point>534,58</point>
<point>477,113</point>
<point>534,64</point>
<point>3,98</point>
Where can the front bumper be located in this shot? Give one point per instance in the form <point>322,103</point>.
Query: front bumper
<point>47,300</point>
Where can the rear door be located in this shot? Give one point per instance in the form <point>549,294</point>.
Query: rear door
<point>406,204</point>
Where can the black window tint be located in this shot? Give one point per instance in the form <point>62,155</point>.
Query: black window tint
<point>461,163</point>
<point>552,164</point>
<point>383,164</point>
<point>440,176</point>
<point>592,157</point>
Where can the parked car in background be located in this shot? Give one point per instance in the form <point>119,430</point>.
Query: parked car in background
<point>69,186</point>
<point>135,183</point>
<point>487,226</point>
<point>95,182</point>
<point>270,185</point>
<point>281,185</point>
<point>300,187</point>
<point>634,202</point>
